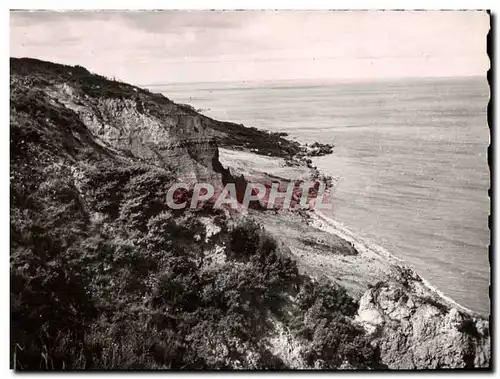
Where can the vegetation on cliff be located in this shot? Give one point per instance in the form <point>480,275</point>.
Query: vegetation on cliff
<point>104,275</point>
<point>37,73</point>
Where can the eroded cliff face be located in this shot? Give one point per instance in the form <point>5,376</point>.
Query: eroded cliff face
<point>141,124</point>
<point>171,139</point>
<point>131,121</point>
<point>416,329</point>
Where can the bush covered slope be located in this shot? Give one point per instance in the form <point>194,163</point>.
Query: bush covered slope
<point>104,275</point>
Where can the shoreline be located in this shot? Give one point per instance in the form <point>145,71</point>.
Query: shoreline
<point>364,246</point>
<point>257,164</point>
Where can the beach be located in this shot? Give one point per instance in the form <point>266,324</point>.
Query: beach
<point>409,156</point>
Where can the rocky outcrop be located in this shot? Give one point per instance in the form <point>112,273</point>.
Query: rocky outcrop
<point>414,328</point>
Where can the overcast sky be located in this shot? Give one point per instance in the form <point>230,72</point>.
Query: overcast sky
<point>174,46</point>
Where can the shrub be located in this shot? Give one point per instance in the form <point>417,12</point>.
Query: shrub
<point>468,327</point>
<point>144,197</point>
<point>333,298</point>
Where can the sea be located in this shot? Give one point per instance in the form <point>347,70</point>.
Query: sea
<point>409,162</point>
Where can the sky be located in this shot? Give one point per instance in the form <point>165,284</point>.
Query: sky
<point>147,48</point>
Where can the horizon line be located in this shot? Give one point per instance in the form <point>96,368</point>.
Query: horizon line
<point>328,80</point>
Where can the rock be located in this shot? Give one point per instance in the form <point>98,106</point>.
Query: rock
<point>415,329</point>
<point>368,314</point>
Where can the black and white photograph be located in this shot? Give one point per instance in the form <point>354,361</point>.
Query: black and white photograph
<point>250,190</point>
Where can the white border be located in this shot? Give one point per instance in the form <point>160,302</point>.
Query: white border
<point>255,4</point>
<point>183,4</point>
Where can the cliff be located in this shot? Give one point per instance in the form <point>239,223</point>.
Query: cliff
<point>104,275</point>
<point>415,329</point>
<point>411,325</point>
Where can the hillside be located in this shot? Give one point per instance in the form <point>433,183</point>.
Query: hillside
<point>104,275</point>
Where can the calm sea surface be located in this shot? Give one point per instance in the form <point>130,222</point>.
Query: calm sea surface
<point>410,158</point>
